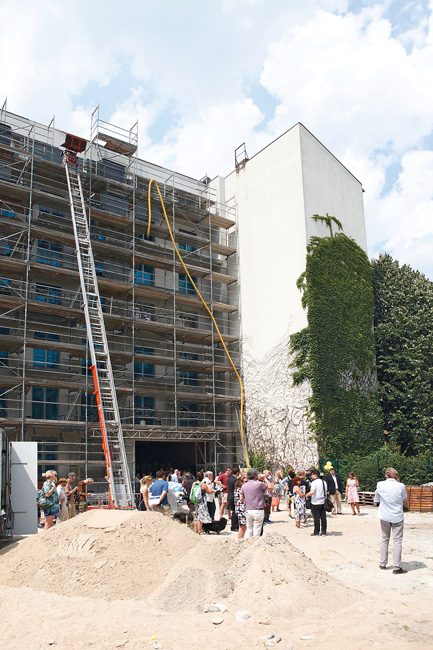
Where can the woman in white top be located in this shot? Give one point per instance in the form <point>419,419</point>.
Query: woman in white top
<point>64,514</point>
<point>210,496</point>
<point>145,482</point>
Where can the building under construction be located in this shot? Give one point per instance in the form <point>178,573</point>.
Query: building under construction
<point>177,393</point>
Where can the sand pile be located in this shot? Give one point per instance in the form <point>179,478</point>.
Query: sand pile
<point>146,556</point>
<point>100,554</point>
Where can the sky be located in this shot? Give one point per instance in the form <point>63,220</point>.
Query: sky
<point>204,76</point>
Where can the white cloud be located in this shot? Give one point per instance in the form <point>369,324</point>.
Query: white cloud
<point>404,218</point>
<point>359,81</point>
<point>201,147</point>
<point>351,82</point>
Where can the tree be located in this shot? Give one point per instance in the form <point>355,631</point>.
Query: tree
<point>403,324</point>
<point>336,351</point>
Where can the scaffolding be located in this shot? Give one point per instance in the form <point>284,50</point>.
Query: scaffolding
<point>172,378</point>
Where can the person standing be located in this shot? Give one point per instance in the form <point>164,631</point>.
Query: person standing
<point>290,498</point>
<point>299,494</point>
<point>201,513</point>
<point>231,514</point>
<point>83,505</point>
<point>352,495</point>
<point>268,494</point>
<point>240,507</point>
<point>223,479</point>
<point>335,489</point>
<point>50,493</point>
<point>278,490</point>
<point>159,492</point>
<point>64,515</point>
<point>145,483</point>
<point>137,484</point>
<point>390,495</point>
<point>318,495</point>
<point>252,493</point>
<point>210,496</point>
<point>187,484</point>
<point>70,494</point>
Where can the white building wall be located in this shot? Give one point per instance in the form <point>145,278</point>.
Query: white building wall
<point>276,193</point>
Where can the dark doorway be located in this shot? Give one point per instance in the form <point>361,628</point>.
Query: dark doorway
<point>151,456</point>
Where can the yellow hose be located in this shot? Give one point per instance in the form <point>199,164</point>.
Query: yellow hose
<point>205,306</point>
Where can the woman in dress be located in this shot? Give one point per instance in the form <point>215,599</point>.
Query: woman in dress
<point>240,509</point>
<point>64,514</point>
<point>299,498</point>
<point>50,492</point>
<point>145,482</point>
<point>201,512</point>
<point>278,489</point>
<point>352,495</point>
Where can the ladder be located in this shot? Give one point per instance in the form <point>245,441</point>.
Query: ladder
<point>121,495</point>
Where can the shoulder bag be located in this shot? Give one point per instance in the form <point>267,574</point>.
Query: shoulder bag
<point>328,505</point>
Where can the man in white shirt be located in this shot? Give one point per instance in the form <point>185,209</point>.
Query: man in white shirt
<point>390,495</point>
<point>318,492</point>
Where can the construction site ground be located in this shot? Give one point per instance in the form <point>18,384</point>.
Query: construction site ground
<point>108,580</point>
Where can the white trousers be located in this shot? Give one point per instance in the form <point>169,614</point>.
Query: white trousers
<point>254,522</point>
<point>397,540</point>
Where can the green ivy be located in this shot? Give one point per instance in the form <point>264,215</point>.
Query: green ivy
<point>336,351</point>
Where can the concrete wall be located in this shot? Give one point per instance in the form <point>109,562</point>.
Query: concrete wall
<point>276,193</point>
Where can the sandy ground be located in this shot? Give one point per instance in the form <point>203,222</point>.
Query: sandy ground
<point>113,580</point>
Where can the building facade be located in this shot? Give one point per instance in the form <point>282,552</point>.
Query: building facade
<point>243,239</point>
<point>178,400</point>
<point>276,193</point>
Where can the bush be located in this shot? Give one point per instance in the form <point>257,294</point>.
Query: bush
<point>414,470</point>
<point>257,459</point>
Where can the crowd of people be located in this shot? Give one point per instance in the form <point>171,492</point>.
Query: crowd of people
<point>244,497</point>
<point>60,498</point>
<point>247,498</point>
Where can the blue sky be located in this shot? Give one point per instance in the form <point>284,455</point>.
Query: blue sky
<point>203,76</point>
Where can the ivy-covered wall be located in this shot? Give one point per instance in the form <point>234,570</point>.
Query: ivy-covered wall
<point>336,351</point>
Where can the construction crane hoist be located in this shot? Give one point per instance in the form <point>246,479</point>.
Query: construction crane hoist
<point>120,488</point>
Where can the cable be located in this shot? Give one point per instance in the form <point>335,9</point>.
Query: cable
<point>205,305</point>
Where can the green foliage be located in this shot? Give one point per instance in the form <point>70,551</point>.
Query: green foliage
<point>328,220</point>
<point>414,470</point>
<point>336,352</point>
<point>257,459</point>
<point>299,345</point>
<point>404,346</point>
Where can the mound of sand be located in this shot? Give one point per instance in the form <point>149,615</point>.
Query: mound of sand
<point>146,556</point>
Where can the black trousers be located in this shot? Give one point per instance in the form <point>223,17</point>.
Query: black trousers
<point>319,516</point>
<point>211,509</point>
<point>234,521</point>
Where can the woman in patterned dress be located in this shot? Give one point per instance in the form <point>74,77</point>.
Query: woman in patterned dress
<point>299,494</point>
<point>201,512</point>
<point>240,506</point>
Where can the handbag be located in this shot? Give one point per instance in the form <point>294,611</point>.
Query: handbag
<point>328,505</point>
<point>45,503</point>
<point>308,503</point>
<point>275,502</point>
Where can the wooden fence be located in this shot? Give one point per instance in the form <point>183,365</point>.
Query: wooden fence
<point>419,498</point>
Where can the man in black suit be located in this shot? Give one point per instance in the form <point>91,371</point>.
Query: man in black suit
<point>335,489</point>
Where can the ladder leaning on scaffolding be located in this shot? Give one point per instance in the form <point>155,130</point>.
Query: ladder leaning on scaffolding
<point>121,495</point>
